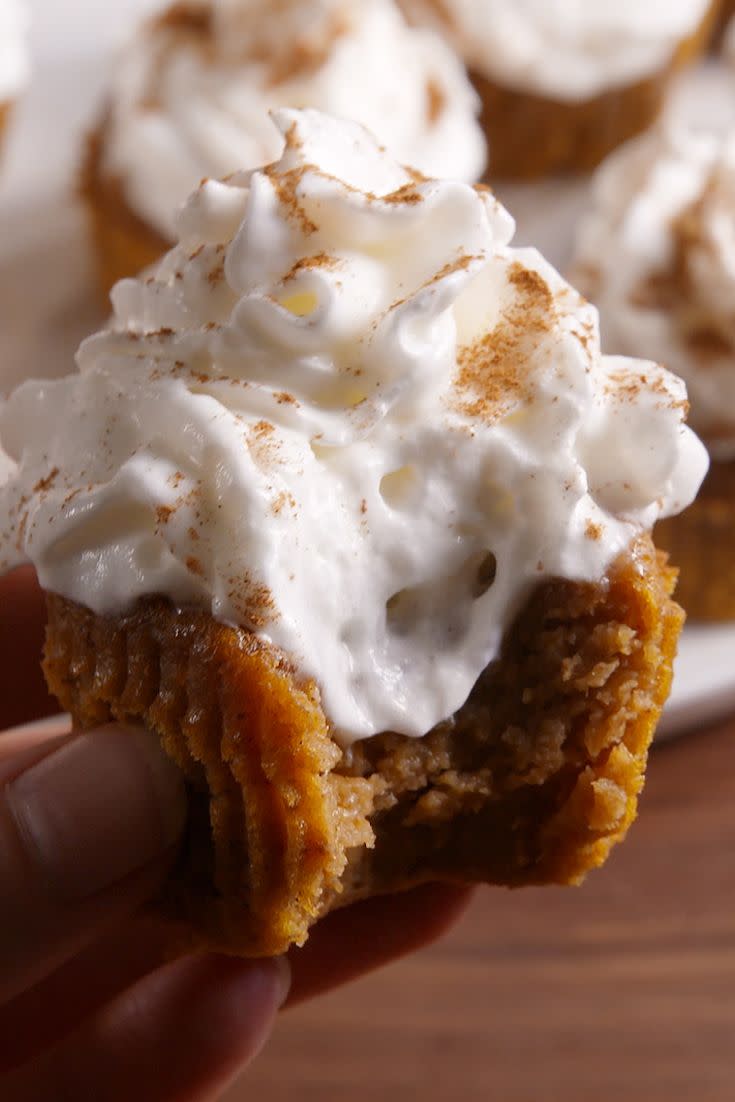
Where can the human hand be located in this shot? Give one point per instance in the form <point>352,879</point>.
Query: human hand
<point>89,1007</point>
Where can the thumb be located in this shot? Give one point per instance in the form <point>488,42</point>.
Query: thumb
<point>88,825</point>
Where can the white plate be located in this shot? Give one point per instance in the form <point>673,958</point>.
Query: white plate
<point>704,681</point>
<point>47,301</point>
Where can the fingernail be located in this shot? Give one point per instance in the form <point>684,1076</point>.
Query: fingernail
<point>103,805</point>
<point>283,975</point>
<point>265,981</point>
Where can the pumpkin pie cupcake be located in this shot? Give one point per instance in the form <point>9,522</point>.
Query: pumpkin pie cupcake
<point>563,82</point>
<point>348,507</point>
<point>13,57</point>
<point>657,256</point>
<point>190,96</point>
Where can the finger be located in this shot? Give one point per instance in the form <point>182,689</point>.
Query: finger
<point>365,936</point>
<point>52,1009</point>
<point>333,955</point>
<point>87,830</point>
<point>180,1035</point>
<point>23,693</point>
<point>41,734</point>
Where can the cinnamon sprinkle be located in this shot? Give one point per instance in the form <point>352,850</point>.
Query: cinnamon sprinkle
<point>263,444</point>
<point>217,274</point>
<point>305,55</point>
<point>311,263</point>
<point>286,399</point>
<point>186,18</point>
<point>22,525</point>
<point>164,514</point>
<point>709,344</point>
<point>491,373</point>
<point>675,289</point>
<point>459,265</point>
<point>194,566</point>
<point>435,101</point>
<point>282,501</point>
<point>253,601</point>
<point>46,483</point>
<point>286,186</point>
<point>416,176</point>
<point>442,12</point>
<point>408,194</point>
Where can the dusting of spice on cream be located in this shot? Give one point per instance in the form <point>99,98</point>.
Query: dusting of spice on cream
<point>366,440</point>
<point>190,96</point>
<point>656,253</point>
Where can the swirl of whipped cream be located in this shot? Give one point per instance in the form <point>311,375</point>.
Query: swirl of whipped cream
<point>13,48</point>
<point>191,95</point>
<point>345,414</point>
<point>657,256</point>
<point>566,50</point>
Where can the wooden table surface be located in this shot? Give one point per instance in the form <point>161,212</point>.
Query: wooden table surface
<point>620,991</point>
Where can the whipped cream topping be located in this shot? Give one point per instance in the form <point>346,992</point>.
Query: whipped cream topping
<point>657,256</point>
<point>13,48</point>
<point>346,414</point>
<point>563,49</point>
<point>191,95</point>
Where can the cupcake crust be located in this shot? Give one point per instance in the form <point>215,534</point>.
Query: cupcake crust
<point>124,244</point>
<point>531,782</point>
<point>5,109</point>
<point>531,136</point>
<point>727,11</point>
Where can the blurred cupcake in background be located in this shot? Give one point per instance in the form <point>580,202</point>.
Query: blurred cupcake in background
<point>564,82</point>
<point>727,27</point>
<point>729,33</point>
<point>13,56</point>
<point>191,94</point>
<point>657,256</point>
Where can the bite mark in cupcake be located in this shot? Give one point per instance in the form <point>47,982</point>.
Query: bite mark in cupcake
<point>406,622</point>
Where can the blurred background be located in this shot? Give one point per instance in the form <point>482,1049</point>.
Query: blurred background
<point>622,990</point>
